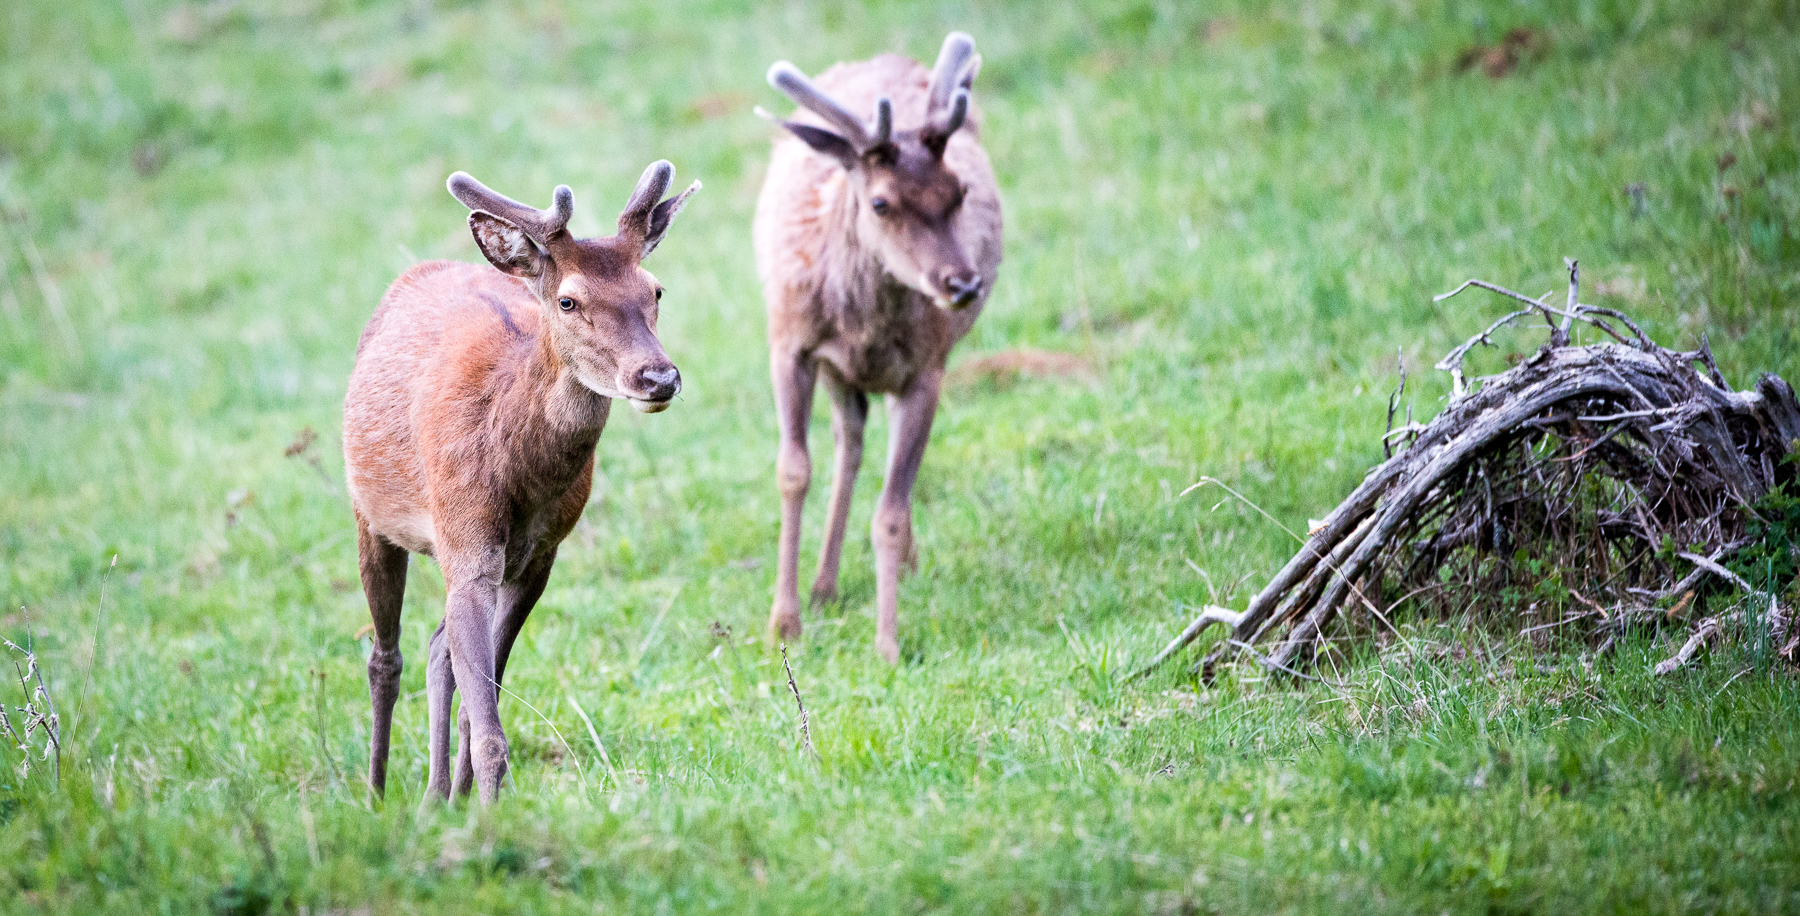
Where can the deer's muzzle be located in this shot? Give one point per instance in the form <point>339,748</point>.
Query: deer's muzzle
<point>654,386</point>
<point>963,290</point>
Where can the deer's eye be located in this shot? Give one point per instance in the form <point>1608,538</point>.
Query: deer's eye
<point>566,304</point>
<point>659,294</point>
<point>879,205</point>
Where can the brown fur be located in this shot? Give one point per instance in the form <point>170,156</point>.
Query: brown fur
<point>469,434</point>
<point>868,300</point>
<point>455,416</point>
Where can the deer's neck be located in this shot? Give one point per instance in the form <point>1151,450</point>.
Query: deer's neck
<point>550,420</point>
<point>856,283</point>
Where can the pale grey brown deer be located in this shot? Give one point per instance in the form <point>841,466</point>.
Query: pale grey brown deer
<point>876,242</point>
<point>478,396</point>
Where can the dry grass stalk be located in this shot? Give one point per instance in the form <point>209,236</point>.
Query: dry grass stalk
<point>95,647</point>
<point>805,727</point>
<point>1595,455</point>
<point>38,712</point>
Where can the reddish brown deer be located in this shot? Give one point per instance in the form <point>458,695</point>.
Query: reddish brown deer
<point>877,244</point>
<point>478,396</point>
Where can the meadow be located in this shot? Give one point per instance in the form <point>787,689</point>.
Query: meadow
<point>1234,215</point>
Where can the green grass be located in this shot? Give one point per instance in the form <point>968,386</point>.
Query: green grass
<point>1237,214</point>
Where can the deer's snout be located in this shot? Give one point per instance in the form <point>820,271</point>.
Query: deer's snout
<point>960,286</point>
<point>654,385</point>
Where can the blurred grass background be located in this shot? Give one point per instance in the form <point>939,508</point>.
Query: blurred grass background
<point>1235,213</point>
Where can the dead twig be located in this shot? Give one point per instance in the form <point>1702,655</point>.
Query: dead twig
<point>1712,566</point>
<point>805,728</point>
<point>1707,629</point>
<point>1387,446</point>
<point>1209,615</point>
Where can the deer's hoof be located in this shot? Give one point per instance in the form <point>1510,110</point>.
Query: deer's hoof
<point>784,626</point>
<point>889,649</point>
<point>434,800</point>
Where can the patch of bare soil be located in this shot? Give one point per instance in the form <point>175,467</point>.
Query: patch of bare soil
<point>1519,45</point>
<point>1008,366</point>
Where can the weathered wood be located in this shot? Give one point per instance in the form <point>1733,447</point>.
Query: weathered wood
<point>1706,630</point>
<point>1687,453</point>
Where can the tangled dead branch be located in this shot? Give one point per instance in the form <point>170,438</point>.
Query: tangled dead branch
<point>1571,473</point>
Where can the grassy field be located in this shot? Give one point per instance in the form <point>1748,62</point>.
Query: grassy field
<point>1234,213</point>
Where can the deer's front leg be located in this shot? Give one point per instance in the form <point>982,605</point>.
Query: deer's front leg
<point>793,375</point>
<point>474,582</point>
<point>849,414</point>
<point>910,414</point>
<point>516,601</point>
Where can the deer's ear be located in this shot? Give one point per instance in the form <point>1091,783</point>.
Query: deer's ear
<point>824,141</point>
<point>506,246</point>
<point>663,216</point>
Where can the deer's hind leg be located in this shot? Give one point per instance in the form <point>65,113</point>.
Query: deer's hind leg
<point>440,689</point>
<point>383,568</point>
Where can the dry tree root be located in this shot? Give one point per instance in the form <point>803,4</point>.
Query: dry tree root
<point>1599,454</point>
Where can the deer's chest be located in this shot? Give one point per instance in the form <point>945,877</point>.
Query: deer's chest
<point>543,515</point>
<point>881,345</point>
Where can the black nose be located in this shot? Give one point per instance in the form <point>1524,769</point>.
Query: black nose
<point>658,382</point>
<point>962,287</point>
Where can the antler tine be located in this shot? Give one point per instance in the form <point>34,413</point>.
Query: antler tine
<point>959,112</point>
<point>952,60</point>
<point>562,203</point>
<point>792,83</point>
<point>635,218</point>
<point>884,121</point>
<point>540,225</point>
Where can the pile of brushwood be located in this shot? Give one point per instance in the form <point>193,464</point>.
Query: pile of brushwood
<point>1586,491</point>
